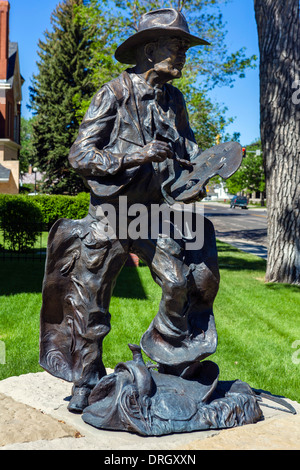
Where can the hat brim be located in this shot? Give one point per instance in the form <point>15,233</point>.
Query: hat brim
<point>125,53</point>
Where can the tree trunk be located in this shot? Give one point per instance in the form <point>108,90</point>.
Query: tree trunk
<point>278,25</point>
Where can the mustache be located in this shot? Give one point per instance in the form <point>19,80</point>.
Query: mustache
<point>165,67</point>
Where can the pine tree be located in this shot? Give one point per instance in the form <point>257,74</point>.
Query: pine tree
<point>61,83</point>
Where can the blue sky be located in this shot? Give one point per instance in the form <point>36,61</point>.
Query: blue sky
<point>29,19</point>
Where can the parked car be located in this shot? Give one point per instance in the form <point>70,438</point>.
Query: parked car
<point>239,201</point>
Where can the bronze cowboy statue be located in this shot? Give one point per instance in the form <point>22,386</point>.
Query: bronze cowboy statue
<point>135,141</point>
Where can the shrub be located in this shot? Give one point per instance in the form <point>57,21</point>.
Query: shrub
<point>20,221</point>
<point>26,188</point>
<point>22,217</point>
<point>79,207</point>
<point>52,207</point>
<point>59,207</point>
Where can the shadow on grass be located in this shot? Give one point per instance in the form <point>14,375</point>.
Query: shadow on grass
<point>21,276</point>
<point>236,264</point>
<point>232,258</point>
<point>225,247</point>
<point>18,275</point>
<point>283,287</point>
<point>32,254</point>
<point>129,285</point>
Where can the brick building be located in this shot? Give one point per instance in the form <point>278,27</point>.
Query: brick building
<point>11,83</point>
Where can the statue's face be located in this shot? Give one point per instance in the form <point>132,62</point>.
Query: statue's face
<point>169,55</point>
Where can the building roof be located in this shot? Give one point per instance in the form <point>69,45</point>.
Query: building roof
<point>12,57</point>
<point>4,174</point>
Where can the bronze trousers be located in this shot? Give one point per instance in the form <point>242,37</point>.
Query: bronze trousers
<point>81,270</point>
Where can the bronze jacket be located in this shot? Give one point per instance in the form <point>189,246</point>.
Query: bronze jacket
<point>124,116</point>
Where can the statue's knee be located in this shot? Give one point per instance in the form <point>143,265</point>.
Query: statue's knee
<point>205,280</point>
<point>176,288</point>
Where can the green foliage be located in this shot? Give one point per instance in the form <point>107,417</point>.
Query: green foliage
<point>205,68</point>
<point>257,323</point>
<point>27,151</point>
<point>77,58</point>
<point>63,80</point>
<point>22,218</point>
<point>26,188</point>
<point>20,221</point>
<point>62,207</point>
<point>212,64</point>
<point>250,177</point>
<point>102,20</point>
<point>207,120</point>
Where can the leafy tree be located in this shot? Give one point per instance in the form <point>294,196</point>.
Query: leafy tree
<point>207,119</point>
<point>250,176</point>
<point>211,63</point>
<point>105,25</point>
<point>278,25</point>
<point>62,81</point>
<point>77,57</point>
<point>27,151</point>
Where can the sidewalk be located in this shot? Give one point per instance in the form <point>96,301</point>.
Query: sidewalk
<point>251,247</point>
<point>34,416</point>
<point>257,248</point>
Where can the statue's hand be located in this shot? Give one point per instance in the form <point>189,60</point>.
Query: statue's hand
<point>156,151</point>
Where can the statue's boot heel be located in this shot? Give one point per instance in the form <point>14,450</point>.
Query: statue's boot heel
<point>79,400</point>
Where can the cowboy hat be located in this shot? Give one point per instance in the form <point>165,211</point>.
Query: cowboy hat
<point>162,22</point>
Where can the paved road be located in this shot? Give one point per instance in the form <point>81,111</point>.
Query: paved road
<point>245,229</point>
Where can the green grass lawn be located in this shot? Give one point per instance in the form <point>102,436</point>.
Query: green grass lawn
<point>257,323</point>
